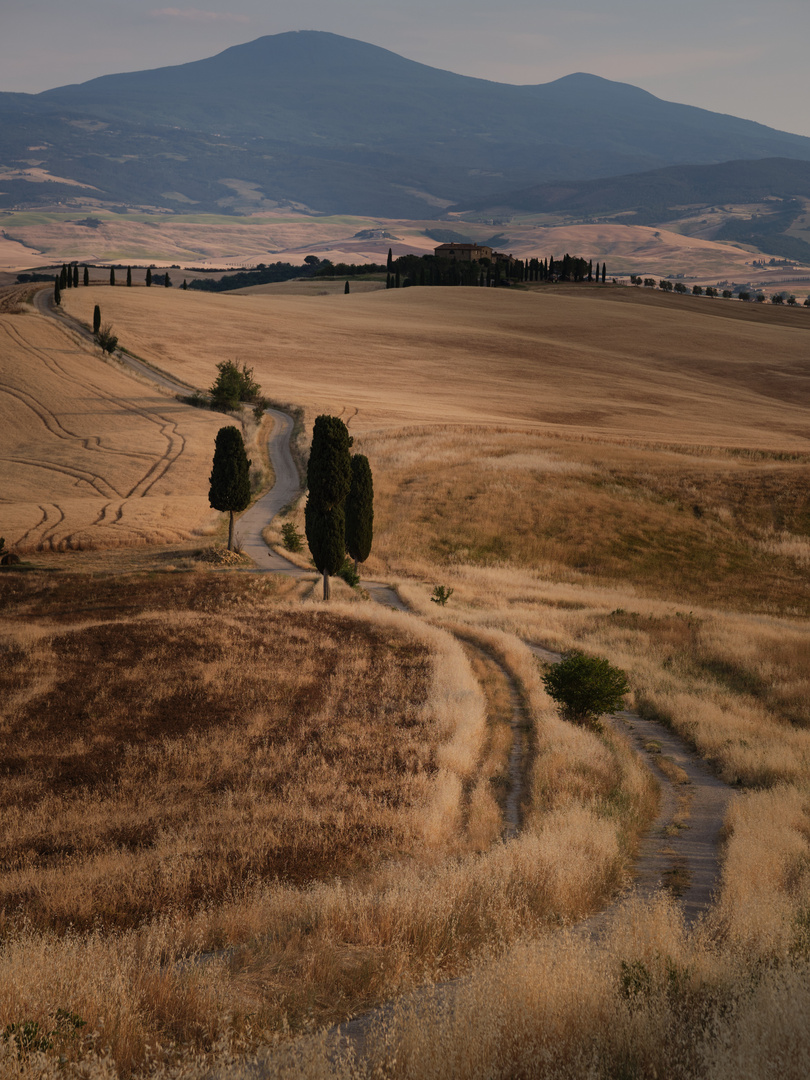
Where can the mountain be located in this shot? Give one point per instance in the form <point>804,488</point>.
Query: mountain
<point>337,125</point>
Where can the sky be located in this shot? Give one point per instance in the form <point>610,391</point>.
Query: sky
<point>743,57</point>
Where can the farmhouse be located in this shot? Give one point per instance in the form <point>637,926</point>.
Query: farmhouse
<point>463,252</point>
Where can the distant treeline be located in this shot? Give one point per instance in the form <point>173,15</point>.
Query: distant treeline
<point>262,275</point>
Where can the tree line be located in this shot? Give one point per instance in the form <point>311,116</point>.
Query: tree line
<point>665,285</point>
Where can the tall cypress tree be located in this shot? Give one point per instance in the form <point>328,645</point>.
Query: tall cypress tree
<point>57,292</point>
<point>360,510</point>
<point>112,275</point>
<point>590,269</point>
<point>329,478</point>
<point>96,319</point>
<point>63,277</point>
<point>86,276</point>
<point>230,476</point>
<point>129,276</point>
<point>390,260</point>
<point>604,272</point>
<point>167,281</point>
<point>76,277</point>
<point>148,276</point>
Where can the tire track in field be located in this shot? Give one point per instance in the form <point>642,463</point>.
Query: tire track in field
<point>98,483</point>
<point>175,440</point>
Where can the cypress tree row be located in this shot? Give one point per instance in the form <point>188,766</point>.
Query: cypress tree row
<point>230,476</point>
<point>360,510</point>
<point>329,478</point>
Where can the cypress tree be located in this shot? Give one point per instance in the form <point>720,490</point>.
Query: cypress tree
<point>167,281</point>
<point>184,285</point>
<point>551,268</point>
<point>63,277</point>
<point>75,277</point>
<point>597,273</point>
<point>390,260</point>
<point>230,476</point>
<point>148,276</point>
<point>329,478</point>
<point>346,289</point>
<point>360,510</point>
<point>57,292</point>
<point>129,276</point>
<point>69,278</point>
<point>86,276</point>
<point>112,275</point>
<point>398,281</point>
<point>96,319</point>
<point>604,271</point>
<point>590,270</point>
<point>388,281</point>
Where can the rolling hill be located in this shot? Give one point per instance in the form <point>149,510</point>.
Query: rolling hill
<point>334,125</point>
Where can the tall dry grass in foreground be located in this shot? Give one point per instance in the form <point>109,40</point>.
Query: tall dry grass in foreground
<point>278,785</point>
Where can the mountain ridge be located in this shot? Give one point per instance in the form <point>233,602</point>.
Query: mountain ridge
<point>337,125</point>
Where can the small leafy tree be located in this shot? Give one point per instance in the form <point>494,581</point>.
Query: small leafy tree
<point>233,385</point>
<point>230,476</point>
<point>96,319</point>
<point>586,687</point>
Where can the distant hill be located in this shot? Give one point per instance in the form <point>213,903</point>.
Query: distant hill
<point>776,187</point>
<point>336,125</point>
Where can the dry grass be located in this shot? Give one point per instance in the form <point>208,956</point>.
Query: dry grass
<point>688,525</point>
<point>347,856</point>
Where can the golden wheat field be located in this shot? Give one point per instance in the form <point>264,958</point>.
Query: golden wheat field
<point>603,470</point>
<point>548,360</point>
<point>90,456</point>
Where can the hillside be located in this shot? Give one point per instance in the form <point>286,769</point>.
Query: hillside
<point>335,125</point>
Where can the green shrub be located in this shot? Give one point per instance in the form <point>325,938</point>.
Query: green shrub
<point>586,687</point>
<point>293,540</point>
<point>348,573</point>
<point>441,594</point>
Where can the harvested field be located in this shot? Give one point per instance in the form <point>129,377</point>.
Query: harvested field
<point>90,456</point>
<point>548,360</point>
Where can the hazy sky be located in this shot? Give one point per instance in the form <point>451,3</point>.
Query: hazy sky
<point>745,57</point>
